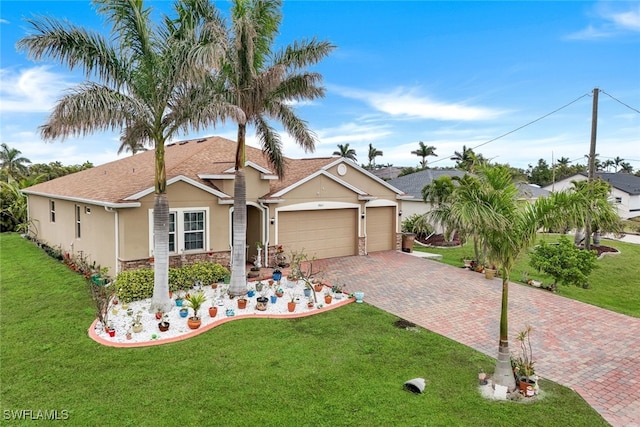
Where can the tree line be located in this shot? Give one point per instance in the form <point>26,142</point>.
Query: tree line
<point>468,160</point>
<point>18,172</point>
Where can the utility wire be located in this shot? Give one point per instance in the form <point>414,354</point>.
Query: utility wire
<point>521,127</point>
<point>616,99</point>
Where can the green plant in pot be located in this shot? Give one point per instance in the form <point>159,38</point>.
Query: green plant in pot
<point>195,301</point>
<point>523,369</point>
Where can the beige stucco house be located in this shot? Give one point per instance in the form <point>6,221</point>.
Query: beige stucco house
<point>327,207</point>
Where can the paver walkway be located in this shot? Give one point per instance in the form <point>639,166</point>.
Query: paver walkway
<point>594,351</point>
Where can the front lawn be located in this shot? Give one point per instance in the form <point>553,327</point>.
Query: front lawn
<point>343,367</point>
<point>614,285</point>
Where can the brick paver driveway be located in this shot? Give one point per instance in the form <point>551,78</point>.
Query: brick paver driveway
<point>594,351</point>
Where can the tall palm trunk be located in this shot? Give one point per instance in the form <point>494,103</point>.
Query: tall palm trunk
<point>503,374</point>
<point>161,301</point>
<point>239,256</point>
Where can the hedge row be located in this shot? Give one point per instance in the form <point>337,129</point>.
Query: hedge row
<point>134,285</point>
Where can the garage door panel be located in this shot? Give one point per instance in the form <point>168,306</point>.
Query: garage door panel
<point>320,233</point>
<point>380,229</point>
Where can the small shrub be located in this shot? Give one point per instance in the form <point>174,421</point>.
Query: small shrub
<point>566,263</point>
<point>418,225</point>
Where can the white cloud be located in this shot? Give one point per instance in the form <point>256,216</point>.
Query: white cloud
<point>611,22</point>
<point>628,20</point>
<point>3,21</point>
<point>31,90</point>
<point>407,103</point>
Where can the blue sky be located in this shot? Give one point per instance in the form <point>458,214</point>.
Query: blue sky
<point>448,73</point>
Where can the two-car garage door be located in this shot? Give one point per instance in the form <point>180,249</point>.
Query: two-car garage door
<point>328,233</point>
<point>324,233</point>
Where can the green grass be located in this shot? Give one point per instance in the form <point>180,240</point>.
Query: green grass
<point>614,285</point>
<point>343,367</point>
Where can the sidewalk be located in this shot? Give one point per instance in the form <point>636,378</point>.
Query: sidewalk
<point>594,351</point>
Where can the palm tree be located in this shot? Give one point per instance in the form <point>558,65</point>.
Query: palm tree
<point>346,152</point>
<point>132,146</point>
<point>607,164</point>
<point>487,204</point>
<point>11,162</point>
<point>563,161</point>
<point>617,162</point>
<point>625,167</point>
<point>259,85</point>
<point>423,152</point>
<point>467,160</point>
<point>373,153</point>
<point>148,84</point>
<point>591,209</point>
<point>439,191</point>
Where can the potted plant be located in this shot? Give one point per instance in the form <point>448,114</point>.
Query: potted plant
<point>277,274</point>
<point>163,325</point>
<point>195,301</point>
<point>490,272</point>
<point>184,312</point>
<point>137,323</point>
<point>291,305</point>
<point>327,297</point>
<point>242,302</point>
<point>523,365</point>
<point>179,298</point>
<point>337,291</point>
<point>213,311</point>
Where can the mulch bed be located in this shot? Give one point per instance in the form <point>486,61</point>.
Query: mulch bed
<point>438,240</point>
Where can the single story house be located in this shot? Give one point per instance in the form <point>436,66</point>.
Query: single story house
<point>325,206</point>
<point>413,184</point>
<point>625,190</point>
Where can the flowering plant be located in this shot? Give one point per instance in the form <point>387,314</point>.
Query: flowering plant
<point>523,364</point>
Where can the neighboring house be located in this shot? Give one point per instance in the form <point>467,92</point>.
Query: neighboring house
<point>325,206</point>
<point>530,192</point>
<point>625,190</point>
<point>413,184</point>
<point>388,172</point>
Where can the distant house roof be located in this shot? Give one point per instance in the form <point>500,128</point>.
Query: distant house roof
<point>622,181</point>
<point>531,191</point>
<point>412,184</point>
<point>389,172</point>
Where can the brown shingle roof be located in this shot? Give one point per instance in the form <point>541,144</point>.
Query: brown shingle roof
<point>113,182</point>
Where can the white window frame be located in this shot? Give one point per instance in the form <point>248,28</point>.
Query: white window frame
<point>180,231</point>
<point>52,211</point>
<point>78,223</point>
<point>618,200</point>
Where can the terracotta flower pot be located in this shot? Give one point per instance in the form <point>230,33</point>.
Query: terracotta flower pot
<point>163,326</point>
<point>194,322</point>
<point>291,306</point>
<point>242,303</point>
<point>327,299</point>
<point>213,311</point>
<point>318,287</point>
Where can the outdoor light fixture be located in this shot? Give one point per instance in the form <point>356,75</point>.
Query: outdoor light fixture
<point>400,213</point>
<point>272,221</point>
<point>362,215</point>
